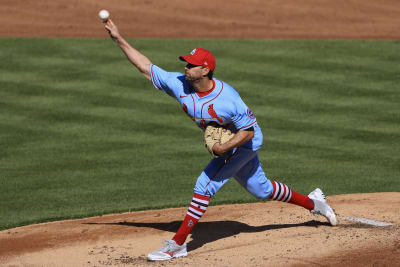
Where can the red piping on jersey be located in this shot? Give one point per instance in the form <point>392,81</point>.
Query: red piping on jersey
<point>151,76</point>
<point>247,125</point>
<point>222,88</point>
<point>194,108</point>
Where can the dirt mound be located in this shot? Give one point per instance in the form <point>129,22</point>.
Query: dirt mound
<point>259,234</point>
<point>355,19</point>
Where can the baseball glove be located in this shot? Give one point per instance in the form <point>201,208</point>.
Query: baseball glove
<point>215,133</point>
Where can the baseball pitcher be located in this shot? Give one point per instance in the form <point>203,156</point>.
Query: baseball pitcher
<point>231,134</point>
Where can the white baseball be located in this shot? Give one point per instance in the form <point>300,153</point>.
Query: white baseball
<point>104,14</point>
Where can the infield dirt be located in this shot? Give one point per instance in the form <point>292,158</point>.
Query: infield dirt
<point>259,234</point>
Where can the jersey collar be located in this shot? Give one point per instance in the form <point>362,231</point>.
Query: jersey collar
<point>203,94</point>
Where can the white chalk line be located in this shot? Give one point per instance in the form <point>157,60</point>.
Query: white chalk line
<point>366,221</point>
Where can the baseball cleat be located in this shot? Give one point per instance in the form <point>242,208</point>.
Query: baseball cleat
<point>169,250</point>
<point>321,207</point>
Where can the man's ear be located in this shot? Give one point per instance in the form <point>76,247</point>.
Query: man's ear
<point>205,71</point>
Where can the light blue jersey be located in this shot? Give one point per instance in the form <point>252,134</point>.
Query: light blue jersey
<point>223,105</point>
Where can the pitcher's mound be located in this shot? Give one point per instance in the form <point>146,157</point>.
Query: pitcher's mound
<point>259,234</point>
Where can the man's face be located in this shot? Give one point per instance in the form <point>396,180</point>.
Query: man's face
<point>194,72</point>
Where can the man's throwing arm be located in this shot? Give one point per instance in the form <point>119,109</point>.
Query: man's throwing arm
<point>140,61</point>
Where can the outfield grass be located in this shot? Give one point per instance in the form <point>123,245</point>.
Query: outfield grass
<point>82,133</point>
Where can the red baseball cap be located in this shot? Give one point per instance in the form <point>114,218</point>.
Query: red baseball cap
<point>200,57</point>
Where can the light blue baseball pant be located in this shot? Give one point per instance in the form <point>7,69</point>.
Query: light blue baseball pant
<point>243,165</point>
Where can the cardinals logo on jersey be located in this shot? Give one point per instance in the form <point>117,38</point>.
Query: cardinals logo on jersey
<point>213,114</point>
<point>203,121</point>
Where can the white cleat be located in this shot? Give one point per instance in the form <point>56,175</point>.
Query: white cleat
<point>169,250</point>
<point>321,207</point>
<point>317,194</point>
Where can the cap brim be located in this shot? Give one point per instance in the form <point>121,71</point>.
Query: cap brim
<point>191,60</point>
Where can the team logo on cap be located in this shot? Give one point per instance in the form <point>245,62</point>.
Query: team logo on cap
<point>193,51</point>
<point>250,114</point>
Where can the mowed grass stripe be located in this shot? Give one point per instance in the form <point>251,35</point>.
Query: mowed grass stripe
<point>83,133</point>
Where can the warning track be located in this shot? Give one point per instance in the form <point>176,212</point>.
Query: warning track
<point>287,19</point>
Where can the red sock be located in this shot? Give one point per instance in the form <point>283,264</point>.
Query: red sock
<point>196,209</point>
<point>283,193</point>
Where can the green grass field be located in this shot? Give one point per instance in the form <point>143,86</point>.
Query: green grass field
<point>82,133</point>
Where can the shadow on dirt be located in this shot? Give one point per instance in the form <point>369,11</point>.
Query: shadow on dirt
<point>207,232</point>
